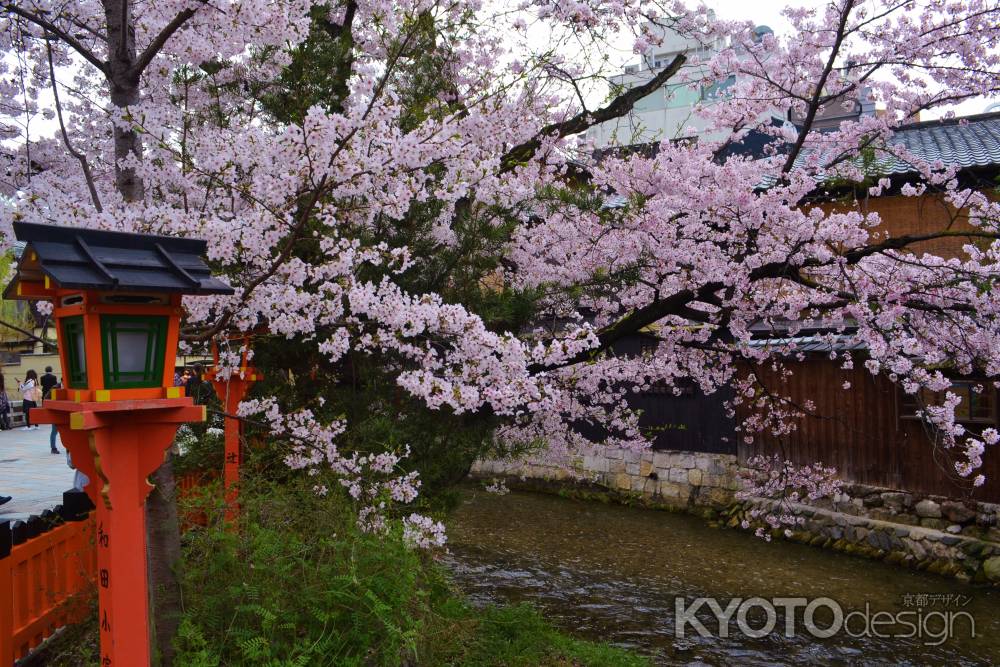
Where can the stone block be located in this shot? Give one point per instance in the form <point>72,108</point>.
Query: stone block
<point>595,464</point>
<point>928,509</point>
<point>678,475</point>
<point>623,482</point>
<point>915,548</point>
<point>642,485</point>
<point>631,456</point>
<point>991,568</point>
<point>715,497</point>
<point>897,501</point>
<point>669,489</point>
<point>616,466</point>
<point>613,453</point>
<point>645,467</point>
<point>684,461</point>
<point>957,512</point>
<point>694,477</point>
<point>717,467</point>
<point>661,459</point>
<point>632,468</point>
<point>702,462</point>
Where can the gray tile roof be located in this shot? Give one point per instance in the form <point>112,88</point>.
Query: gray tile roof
<point>970,142</point>
<point>792,344</point>
<point>78,258</point>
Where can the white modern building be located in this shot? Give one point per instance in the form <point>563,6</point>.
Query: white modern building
<point>667,114</point>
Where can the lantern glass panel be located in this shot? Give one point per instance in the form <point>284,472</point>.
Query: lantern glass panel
<point>76,352</point>
<point>134,348</point>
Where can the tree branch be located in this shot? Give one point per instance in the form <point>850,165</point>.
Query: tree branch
<point>30,335</point>
<point>814,104</point>
<point>154,46</point>
<point>618,107</point>
<point>62,127</point>
<point>71,41</point>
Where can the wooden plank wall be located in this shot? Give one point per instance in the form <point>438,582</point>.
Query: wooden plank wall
<point>860,433</point>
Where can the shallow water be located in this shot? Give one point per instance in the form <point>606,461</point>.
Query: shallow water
<point>612,573</point>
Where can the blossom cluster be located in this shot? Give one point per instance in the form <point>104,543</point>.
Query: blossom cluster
<point>708,248</point>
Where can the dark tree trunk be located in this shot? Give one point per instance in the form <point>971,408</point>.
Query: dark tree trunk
<point>162,531</point>
<point>164,551</point>
<point>123,80</point>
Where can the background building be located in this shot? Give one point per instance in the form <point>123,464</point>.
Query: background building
<point>667,114</point>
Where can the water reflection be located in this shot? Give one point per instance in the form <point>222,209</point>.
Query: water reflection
<point>613,573</point>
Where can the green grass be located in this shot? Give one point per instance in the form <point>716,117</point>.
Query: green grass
<point>299,584</point>
<point>518,636</point>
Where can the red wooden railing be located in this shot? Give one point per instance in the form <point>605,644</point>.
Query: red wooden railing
<point>48,569</point>
<point>47,574</point>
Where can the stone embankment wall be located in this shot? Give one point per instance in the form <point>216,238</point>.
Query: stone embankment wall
<point>947,536</point>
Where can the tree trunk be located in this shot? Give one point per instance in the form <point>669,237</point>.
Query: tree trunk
<point>123,80</point>
<point>164,552</point>
<point>162,530</point>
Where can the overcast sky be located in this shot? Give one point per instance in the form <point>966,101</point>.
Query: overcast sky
<point>768,12</point>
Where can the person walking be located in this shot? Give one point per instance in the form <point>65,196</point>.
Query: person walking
<point>5,424</point>
<point>194,385</point>
<point>30,395</point>
<point>49,382</point>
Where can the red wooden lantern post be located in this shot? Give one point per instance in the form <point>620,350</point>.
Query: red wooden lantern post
<point>117,306</point>
<point>231,391</point>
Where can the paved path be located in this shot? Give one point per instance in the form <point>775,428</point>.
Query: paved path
<point>30,473</point>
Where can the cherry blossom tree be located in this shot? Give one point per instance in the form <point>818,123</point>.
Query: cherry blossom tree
<point>431,126</point>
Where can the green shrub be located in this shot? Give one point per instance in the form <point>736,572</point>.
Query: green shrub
<point>299,584</point>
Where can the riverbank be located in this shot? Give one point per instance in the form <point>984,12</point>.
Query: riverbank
<point>614,573</point>
<point>944,536</point>
<point>299,583</point>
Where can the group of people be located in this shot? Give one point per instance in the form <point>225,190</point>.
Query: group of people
<point>192,379</point>
<point>34,390</point>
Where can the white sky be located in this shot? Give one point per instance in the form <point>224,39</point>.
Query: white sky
<point>767,12</point>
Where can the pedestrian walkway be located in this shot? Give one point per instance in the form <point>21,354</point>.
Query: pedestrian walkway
<point>30,473</point>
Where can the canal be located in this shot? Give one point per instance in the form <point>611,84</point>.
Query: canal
<point>612,573</point>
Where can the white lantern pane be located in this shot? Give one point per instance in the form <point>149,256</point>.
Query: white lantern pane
<point>81,352</point>
<point>132,347</point>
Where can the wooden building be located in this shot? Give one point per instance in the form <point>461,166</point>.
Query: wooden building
<point>869,432</point>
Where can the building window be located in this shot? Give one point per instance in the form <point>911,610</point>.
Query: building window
<point>76,352</point>
<point>975,408</point>
<point>717,90</point>
<point>133,347</point>
<point>681,96</point>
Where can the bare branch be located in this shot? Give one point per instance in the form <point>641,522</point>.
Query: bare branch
<point>29,335</point>
<point>618,107</point>
<point>84,165</point>
<point>65,37</point>
<point>815,102</point>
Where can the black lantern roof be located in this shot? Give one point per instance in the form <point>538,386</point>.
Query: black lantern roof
<point>93,259</point>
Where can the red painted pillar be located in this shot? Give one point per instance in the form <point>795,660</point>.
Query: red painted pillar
<point>230,392</point>
<point>118,445</point>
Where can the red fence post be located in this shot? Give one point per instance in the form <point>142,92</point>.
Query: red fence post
<point>6,598</point>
